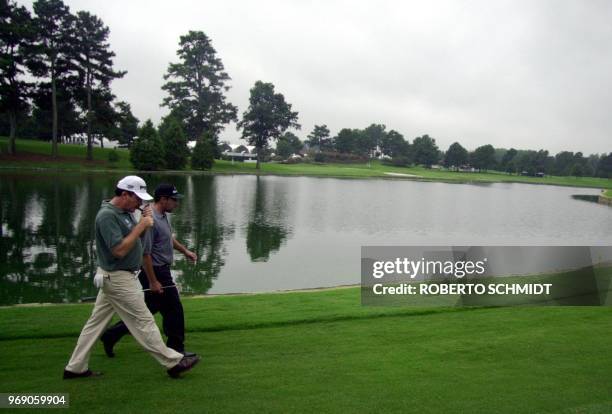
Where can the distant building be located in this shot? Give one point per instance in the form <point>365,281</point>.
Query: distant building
<point>240,152</point>
<point>95,141</point>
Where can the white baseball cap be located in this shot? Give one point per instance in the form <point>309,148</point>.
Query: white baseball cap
<point>136,185</point>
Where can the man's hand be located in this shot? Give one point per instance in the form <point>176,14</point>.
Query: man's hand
<point>156,287</point>
<point>191,256</point>
<point>147,216</point>
<point>127,243</point>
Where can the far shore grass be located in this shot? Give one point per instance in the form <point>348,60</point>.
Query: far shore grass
<point>34,155</point>
<point>324,352</point>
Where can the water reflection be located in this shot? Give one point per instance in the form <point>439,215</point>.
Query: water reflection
<point>267,228</point>
<point>268,233</point>
<point>198,224</point>
<point>586,197</point>
<point>46,249</point>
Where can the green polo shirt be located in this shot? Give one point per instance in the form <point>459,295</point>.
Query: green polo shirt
<point>113,225</point>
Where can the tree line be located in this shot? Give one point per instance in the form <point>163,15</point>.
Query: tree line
<point>393,148</point>
<point>55,74</point>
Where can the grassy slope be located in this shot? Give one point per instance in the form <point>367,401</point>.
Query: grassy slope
<point>76,153</point>
<point>608,193</point>
<point>324,352</point>
<point>374,169</point>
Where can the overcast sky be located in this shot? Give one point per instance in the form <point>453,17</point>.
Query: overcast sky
<point>519,73</point>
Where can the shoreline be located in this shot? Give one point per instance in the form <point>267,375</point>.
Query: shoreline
<point>605,198</point>
<point>385,176</point>
<point>34,156</point>
<point>197,296</point>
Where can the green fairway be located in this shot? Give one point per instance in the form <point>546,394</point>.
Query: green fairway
<point>74,159</point>
<point>324,352</point>
<point>376,169</point>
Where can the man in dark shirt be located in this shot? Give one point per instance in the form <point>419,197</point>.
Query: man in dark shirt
<point>163,296</point>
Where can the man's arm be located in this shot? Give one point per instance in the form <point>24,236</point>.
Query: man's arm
<point>188,254</point>
<point>147,264</point>
<point>127,243</point>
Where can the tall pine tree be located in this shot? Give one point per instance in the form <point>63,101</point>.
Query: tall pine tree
<point>94,62</point>
<point>196,88</point>
<point>54,25</point>
<point>16,36</point>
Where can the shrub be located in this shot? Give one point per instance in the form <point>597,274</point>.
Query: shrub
<point>147,152</point>
<point>319,157</point>
<point>203,155</point>
<point>397,161</point>
<point>175,143</point>
<point>338,157</point>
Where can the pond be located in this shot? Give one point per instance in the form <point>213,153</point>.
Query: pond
<point>256,234</point>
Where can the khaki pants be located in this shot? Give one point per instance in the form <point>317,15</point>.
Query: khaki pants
<point>121,293</point>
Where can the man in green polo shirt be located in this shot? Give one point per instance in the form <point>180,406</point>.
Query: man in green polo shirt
<point>159,244</point>
<point>119,252</point>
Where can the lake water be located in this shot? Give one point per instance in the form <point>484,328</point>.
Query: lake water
<point>255,234</point>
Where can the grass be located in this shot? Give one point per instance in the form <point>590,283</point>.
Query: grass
<point>75,154</point>
<point>608,193</point>
<point>323,352</point>
<point>376,169</point>
<point>72,156</point>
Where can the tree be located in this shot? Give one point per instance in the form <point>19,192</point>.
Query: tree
<point>425,150</point>
<point>16,37</point>
<point>564,162</point>
<point>203,155</point>
<point>483,157</point>
<point>507,160</point>
<point>267,117</point>
<point>394,145</point>
<point>526,162</point>
<point>104,119</point>
<point>94,62</point>
<point>541,161</point>
<point>373,137</point>
<point>69,122</point>
<point>580,160</point>
<point>319,137</point>
<point>127,126</point>
<point>592,164</point>
<point>577,170</point>
<point>288,144</point>
<point>604,168</point>
<point>54,23</point>
<point>346,141</point>
<point>175,143</point>
<point>196,88</point>
<point>456,156</point>
<point>147,152</point>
